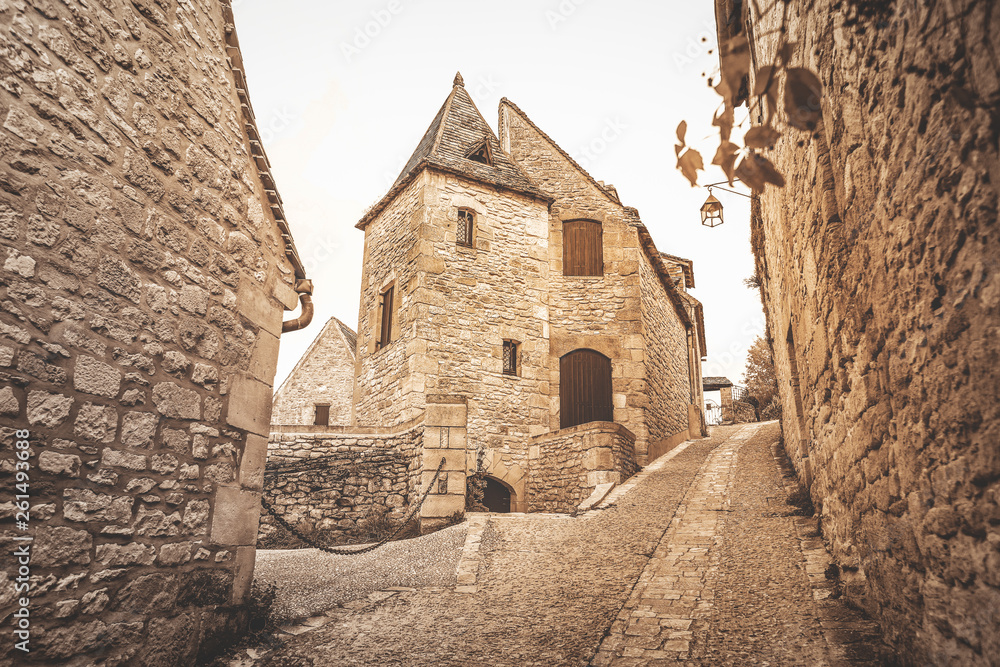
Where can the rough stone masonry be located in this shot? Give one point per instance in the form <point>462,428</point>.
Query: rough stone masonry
<point>878,261</point>
<point>143,276</point>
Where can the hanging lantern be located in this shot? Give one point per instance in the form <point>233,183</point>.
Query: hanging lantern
<point>711,211</point>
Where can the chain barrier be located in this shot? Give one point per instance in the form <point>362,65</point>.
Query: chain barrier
<point>353,552</point>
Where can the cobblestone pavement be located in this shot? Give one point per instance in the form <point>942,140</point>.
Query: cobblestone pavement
<point>699,564</point>
<point>310,581</point>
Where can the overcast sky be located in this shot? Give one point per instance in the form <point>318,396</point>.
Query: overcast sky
<point>343,92</point>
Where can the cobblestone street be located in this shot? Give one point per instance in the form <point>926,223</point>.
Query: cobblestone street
<point>699,563</point>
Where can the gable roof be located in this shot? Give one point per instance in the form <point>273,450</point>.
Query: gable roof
<point>608,190</point>
<point>685,265</point>
<point>332,326</point>
<point>458,129</point>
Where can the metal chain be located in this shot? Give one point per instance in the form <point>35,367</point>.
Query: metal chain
<point>352,552</point>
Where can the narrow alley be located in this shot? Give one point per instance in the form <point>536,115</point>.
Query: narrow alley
<point>701,561</point>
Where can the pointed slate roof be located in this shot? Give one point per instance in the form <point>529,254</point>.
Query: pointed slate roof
<point>457,131</point>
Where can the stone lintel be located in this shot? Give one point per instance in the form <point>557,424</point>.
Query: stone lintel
<point>442,414</point>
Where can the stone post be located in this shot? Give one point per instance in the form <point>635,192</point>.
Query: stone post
<point>444,437</point>
<point>727,404</point>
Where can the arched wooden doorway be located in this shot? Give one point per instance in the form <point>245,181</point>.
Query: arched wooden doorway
<point>584,388</point>
<point>496,496</point>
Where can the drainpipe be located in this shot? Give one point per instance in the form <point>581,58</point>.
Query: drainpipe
<point>304,289</point>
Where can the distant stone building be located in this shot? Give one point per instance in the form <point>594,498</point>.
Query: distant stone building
<point>515,310</point>
<point>878,261</point>
<point>145,264</point>
<point>320,389</point>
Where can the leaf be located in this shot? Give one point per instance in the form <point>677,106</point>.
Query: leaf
<point>724,121</point>
<point>681,131</point>
<point>725,157</point>
<point>803,93</point>
<point>762,136</point>
<point>764,79</point>
<point>785,52</point>
<point>757,171</point>
<point>677,149</point>
<point>734,57</point>
<point>689,164</point>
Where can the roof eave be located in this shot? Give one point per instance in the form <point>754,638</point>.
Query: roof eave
<point>427,164</point>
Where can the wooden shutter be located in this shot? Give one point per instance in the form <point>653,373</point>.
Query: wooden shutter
<point>583,248</point>
<point>584,388</point>
<point>385,331</point>
<point>323,415</point>
<point>463,235</point>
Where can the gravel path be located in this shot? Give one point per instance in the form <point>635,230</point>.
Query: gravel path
<point>310,581</point>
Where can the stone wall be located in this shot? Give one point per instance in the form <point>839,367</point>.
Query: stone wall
<point>666,361</point>
<point>881,289</point>
<point>362,473</point>
<point>323,376</point>
<point>567,465</point>
<point>384,395</point>
<point>142,290</point>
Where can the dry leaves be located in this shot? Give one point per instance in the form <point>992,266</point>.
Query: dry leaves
<point>725,157</point>
<point>689,164</point>
<point>757,171</point>
<point>762,136</point>
<point>690,161</point>
<point>803,93</point>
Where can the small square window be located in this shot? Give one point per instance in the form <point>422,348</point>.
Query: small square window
<point>510,357</point>
<point>463,232</point>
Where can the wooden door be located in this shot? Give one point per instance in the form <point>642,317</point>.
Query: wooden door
<point>584,388</point>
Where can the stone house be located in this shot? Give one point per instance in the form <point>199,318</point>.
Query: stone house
<point>145,265</point>
<point>320,389</point>
<point>878,261</point>
<point>517,311</point>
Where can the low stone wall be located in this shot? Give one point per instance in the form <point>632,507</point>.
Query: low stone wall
<point>351,473</point>
<point>566,465</point>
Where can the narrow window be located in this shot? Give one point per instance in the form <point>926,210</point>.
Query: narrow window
<point>322,415</point>
<point>385,330</point>
<point>509,357</point>
<point>583,251</point>
<point>463,233</point>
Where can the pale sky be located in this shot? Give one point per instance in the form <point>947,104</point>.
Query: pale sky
<point>343,92</point>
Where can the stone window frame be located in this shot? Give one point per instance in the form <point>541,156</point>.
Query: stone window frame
<point>515,351</point>
<point>470,240</point>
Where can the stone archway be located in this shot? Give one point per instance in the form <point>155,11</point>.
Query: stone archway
<point>511,475</point>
